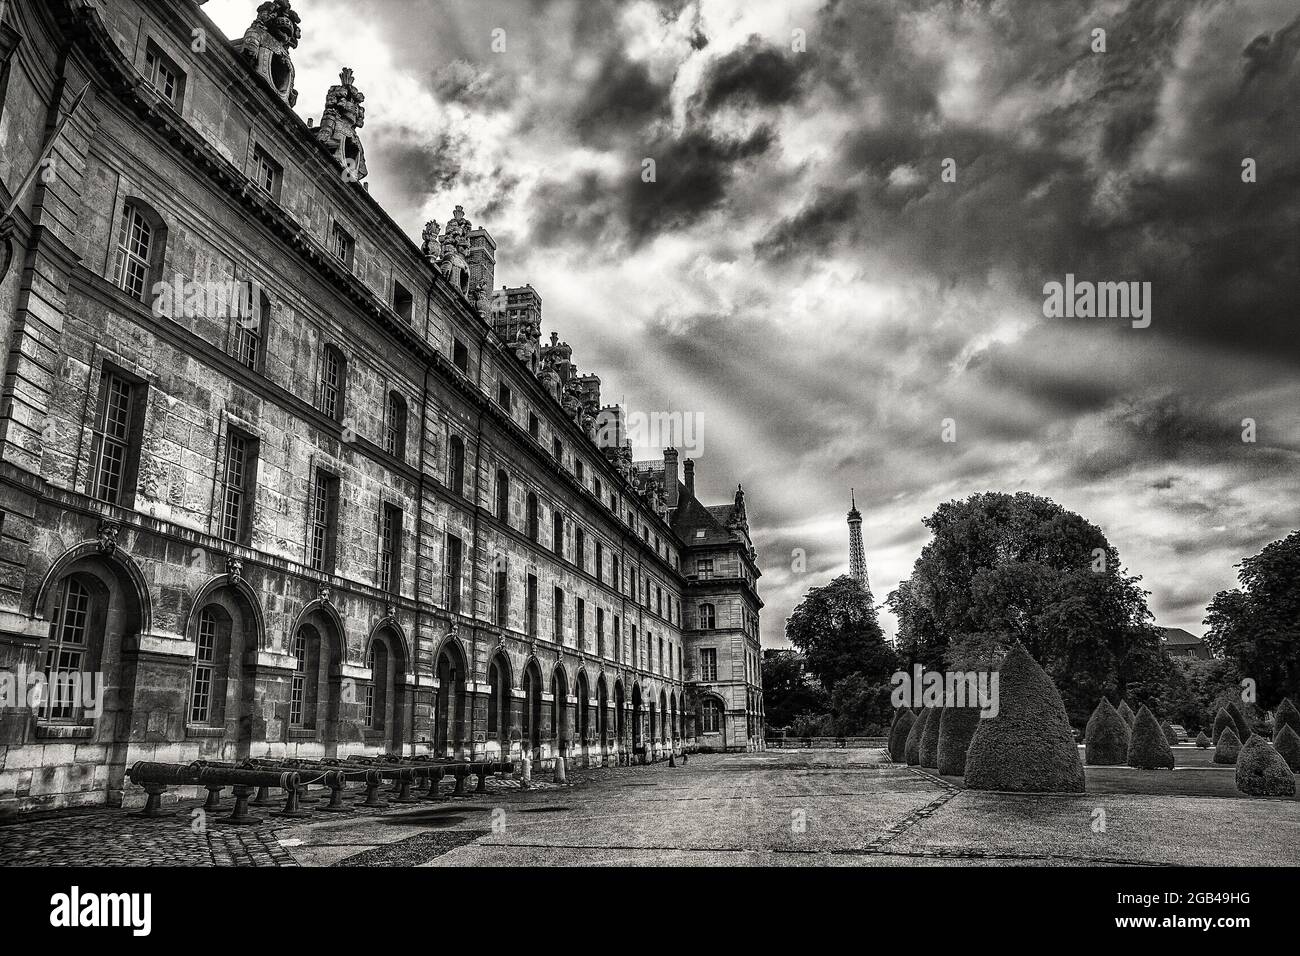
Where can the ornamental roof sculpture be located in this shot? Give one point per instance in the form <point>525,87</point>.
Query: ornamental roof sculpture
<point>343,116</point>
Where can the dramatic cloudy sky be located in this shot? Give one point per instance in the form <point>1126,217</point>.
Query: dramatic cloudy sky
<point>801,277</point>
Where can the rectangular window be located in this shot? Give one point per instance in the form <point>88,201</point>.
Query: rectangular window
<point>460,355</point>
<point>248,335</point>
<point>618,639</point>
<point>530,606</point>
<point>266,172</point>
<point>708,664</point>
<point>579,470</point>
<point>455,558</point>
<point>636,648</point>
<point>342,244</point>
<point>704,567</point>
<point>403,301</point>
<point>557,623</point>
<point>534,426</point>
<point>502,595</point>
<point>600,632</point>
<point>324,516</point>
<point>331,383</point>
<point>503,396</point>
<point>135,252</point>
<point>119,431</point>
<point>163,74</point>
<point>600,563</point>
<point>240,485</point>
<point>390,549</point>
<point>557,450</point>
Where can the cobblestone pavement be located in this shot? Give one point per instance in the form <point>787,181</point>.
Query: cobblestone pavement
<point>801,808</point>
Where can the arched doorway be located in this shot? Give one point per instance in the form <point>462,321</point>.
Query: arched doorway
<point>620,719</point>
<point>316,647</point>
<point>560,731</point>
<point>663,719</point>
<point>225,628</point>
<point>385,703</point>
<point>533,709</point>
<point>637,741</point>
<point>449,711</point>
<point>583,693</point>
<point>602,714</point>
<point>94,606</point>
<point>673,735</point>
<point>498,706</point>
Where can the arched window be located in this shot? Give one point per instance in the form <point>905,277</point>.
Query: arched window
<point>211,657</point>
<point>456,465</point>
<point>377,694</point>
<point>140,239</point>
<point>532,516</point>
<point>706,617</point>
<point>395,426</point>
<point>70,651</point>
<point>305,684</point>
<point>333,383</point>
<point>503,496</point>
<point>712,716</point>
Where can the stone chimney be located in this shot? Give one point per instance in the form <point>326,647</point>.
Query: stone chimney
<point>670,477</point>
<point>690,477</point>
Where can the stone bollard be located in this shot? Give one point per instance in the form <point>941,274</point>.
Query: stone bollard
<point>683,758</point>
<point>560,776</point>
<point>526,771</point>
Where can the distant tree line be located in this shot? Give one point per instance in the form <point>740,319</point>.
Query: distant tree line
<point>1003,568</point>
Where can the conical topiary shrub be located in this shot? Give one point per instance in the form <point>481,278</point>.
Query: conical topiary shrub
<point>929,747</point>
<point>1262,771</point>
<point>1171,735</point>
<point>898,735</point>
<point>1287,743</point>
<point>912,749</point>
<point>1127,713</point>
<point>1221,720</point>
<point>956,728</point>
<point>1286,715</point>
<point>1028,747</point>
<point>1226,750</point>
<point>1106,737</point>
<point>1239,718</point>
<point>1203,741</point>
<point>1148,749</point>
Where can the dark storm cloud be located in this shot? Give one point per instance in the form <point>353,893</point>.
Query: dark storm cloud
<point>692,174</point>
<point>756,74</point>
<point>623,97</point>
<point>1163,205</point>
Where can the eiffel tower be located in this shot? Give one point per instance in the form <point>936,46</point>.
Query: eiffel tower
<point>857,556</point>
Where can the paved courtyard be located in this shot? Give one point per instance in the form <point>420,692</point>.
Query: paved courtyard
<point>817,808</point>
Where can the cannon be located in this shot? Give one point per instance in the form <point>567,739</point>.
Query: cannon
<point>155,778</point>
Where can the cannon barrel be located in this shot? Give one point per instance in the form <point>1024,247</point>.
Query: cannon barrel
<point>248,777</point>
<point>169,774</point>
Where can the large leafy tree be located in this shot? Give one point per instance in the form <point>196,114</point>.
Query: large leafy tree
<point>1003,568</point>
<point>1257,626</point>
<point>788,689</point>
<point>836,629</point>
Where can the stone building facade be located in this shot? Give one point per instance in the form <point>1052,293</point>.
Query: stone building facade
<point>285,482</point>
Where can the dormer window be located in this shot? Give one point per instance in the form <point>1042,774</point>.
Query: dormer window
<point>342,245</point>
<point>266,172</point>
<point>163,74</point>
